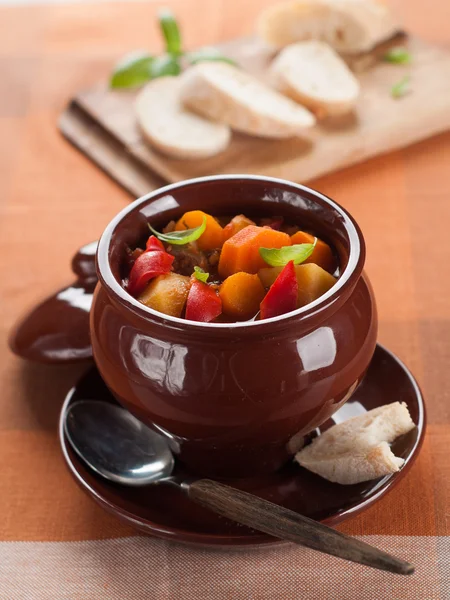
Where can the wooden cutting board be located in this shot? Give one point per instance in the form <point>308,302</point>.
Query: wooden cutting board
<point>101,123</point>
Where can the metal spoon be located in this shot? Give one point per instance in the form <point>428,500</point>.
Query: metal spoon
<point>122,449</point>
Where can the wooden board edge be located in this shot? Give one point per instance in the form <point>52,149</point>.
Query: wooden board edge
<point>97,144</point>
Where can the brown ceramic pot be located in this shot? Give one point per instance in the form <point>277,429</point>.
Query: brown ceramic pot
<point>235,399</point>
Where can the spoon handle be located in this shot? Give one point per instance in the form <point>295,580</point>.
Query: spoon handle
<point>283,523</point>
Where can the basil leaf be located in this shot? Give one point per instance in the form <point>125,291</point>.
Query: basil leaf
<point>133,70</point>
<point>170,31</point>
<point>398,55</point>
<point>165,65</point>
<point>401,88</point>
<point>279,257</point>
<point>179,238</point>
<point>200,274</point>
<point>208,54</point>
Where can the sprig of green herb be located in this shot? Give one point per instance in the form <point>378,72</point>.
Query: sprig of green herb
<point>398,55</point>
<point>170,31</point>
<point>401,88</point>
<point>139,67</point>
<point>279,257</point>
<point>167,64</point>
<point>133,70</point>
<point>180,238</point>
<point>200,274</point>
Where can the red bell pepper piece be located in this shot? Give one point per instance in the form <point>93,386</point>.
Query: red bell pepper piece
<point>148,265</point>
<point>154,244</point>
<point>203,302</point>
<point>282,295</point>
<point>275,223</point>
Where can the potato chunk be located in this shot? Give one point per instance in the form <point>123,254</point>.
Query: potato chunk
<point>313,281</point>
<point>167,294</point>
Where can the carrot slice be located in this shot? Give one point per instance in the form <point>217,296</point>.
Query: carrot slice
<point>211,238</point>
<point>236,224</point>
<point>241,295</point>
<point>241,252</point>
<point>322,254</point>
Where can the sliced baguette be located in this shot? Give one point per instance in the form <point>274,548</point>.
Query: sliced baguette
<point>349,26</point>
<point>173,130</point>
<point>313,74</point>
<point>358,449</point>
<point>229,95</point>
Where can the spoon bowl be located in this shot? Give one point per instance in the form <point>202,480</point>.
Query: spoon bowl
<point>116,445</point>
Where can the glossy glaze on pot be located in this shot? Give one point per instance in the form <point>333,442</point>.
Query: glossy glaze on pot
<point>235,399</point>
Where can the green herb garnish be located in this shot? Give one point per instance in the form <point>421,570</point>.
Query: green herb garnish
<point>170,31</point>
<point>133,70</point>
<point>200,274</point>
<point>401,88</point>
<point>279,257</point>
<point>209,54</point>
<point>167,64</point>
<point>398,55</point>
<point>180,238</point>
<point>139,67</point>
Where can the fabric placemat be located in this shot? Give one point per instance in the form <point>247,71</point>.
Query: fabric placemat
<point>55,543</point>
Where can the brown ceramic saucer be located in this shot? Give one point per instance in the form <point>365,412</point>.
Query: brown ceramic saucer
<point>167,513</point>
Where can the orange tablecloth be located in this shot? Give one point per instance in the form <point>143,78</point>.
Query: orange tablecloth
<point>54,541</point>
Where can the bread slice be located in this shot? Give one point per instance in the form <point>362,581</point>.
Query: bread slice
<point>349,26</point>
<point>285,23</point>
<point>313,74</point>
<point>358,449</point>
<point>173,130</point>
<point>224,93</point>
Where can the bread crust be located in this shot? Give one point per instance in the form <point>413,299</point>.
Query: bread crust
<point>313,74</point>
<point>349,26</point>
<point>358,449</point>
<point>229,95</point>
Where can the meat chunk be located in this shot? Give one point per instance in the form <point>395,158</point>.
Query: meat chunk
<point>186,258</point>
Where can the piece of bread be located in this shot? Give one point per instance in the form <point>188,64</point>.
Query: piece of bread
<point>358,449</point>
<point>349,26</point>
<point>313,74</point>
<point>172,129</point>
<point>224,93</point>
